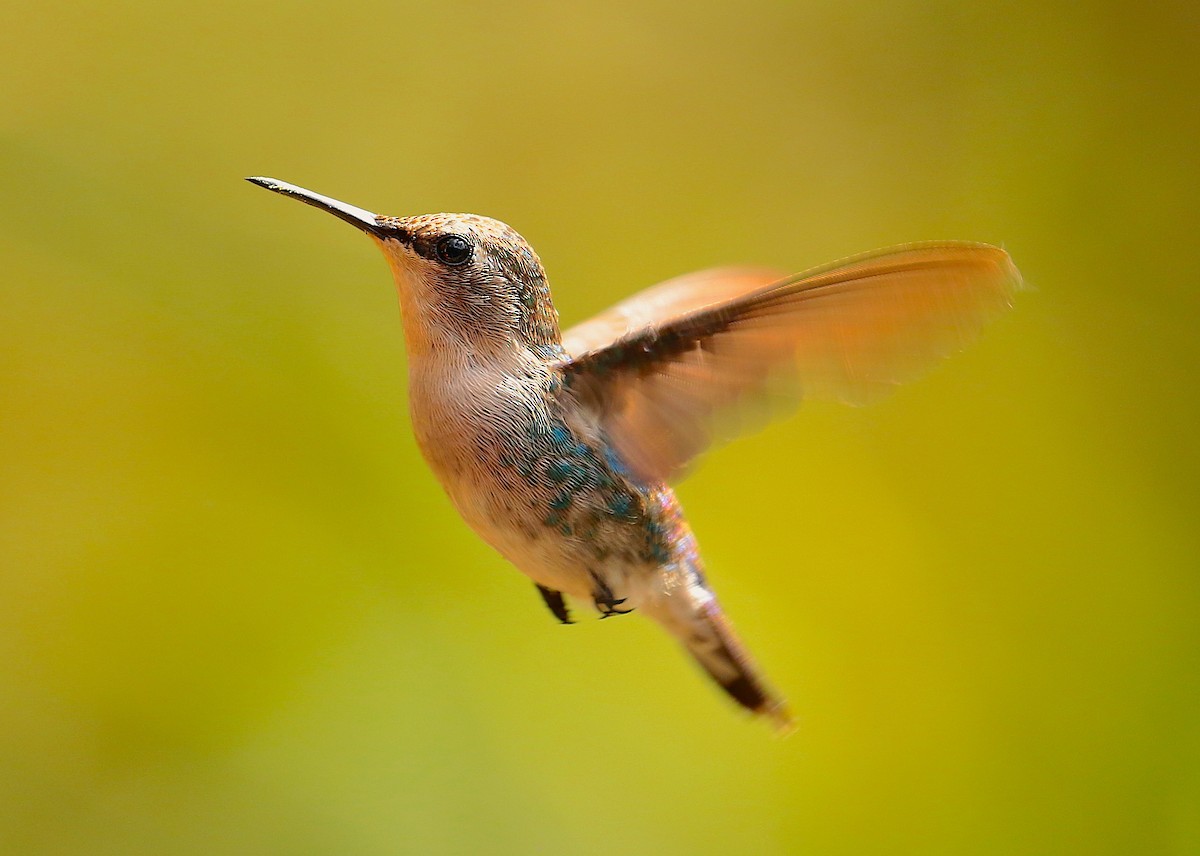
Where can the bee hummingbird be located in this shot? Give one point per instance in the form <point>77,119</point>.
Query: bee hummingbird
<point>558,449</point>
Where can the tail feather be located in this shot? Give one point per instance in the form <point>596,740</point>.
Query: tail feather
<point>718,650</point>
<point>691,612</point>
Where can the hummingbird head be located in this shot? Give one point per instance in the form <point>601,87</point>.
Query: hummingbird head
<point>468,284</point>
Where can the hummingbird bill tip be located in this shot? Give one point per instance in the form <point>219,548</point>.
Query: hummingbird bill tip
<point>279,186</point>
<point>352,214</point>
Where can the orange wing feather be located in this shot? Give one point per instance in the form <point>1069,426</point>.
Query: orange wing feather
<point>661,368</point>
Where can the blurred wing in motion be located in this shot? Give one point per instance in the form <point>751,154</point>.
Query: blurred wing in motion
<point>665,301</point>
<point>661,367</point>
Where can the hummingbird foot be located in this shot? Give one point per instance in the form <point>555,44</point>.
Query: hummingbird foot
<point>556,603</point>
<point>606,602</point>
<point>608,610</point>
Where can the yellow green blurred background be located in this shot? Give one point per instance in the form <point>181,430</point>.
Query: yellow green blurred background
<point>238,615</point>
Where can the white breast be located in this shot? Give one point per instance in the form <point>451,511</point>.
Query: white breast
<point>472,426</point>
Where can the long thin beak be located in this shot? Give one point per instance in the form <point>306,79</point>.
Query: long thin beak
<point>357,217</point>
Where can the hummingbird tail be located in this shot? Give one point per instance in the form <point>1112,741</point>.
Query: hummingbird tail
<point>723,656</point>
<point>710,639</point>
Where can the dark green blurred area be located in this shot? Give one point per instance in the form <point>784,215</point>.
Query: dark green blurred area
<point>237,614</point>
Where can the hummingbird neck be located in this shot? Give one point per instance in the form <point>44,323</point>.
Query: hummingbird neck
<point>434,334</point>
<point>539,319</point>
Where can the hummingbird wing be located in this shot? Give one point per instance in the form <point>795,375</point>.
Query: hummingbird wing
<point>688,352</point>
<point>667,300</point>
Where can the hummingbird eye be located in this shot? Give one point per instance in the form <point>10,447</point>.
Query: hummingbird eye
<point>453,250</point>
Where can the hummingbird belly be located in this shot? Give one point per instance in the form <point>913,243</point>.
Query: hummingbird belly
<point>549,498</point>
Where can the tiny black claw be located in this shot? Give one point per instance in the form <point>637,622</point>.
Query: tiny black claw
<point>605,602</point>
<point>558,606</point>
<point>609,612</point>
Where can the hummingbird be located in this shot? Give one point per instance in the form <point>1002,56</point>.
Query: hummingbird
<point>559,449</point>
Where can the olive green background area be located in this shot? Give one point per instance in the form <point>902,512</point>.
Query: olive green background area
<point>237,613</point>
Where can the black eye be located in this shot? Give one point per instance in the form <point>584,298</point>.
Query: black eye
<point>453,249</point>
